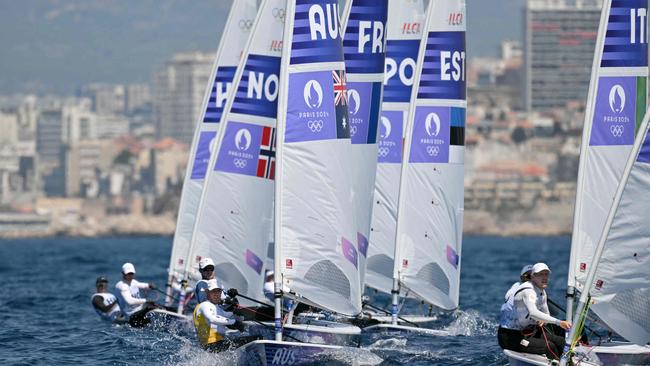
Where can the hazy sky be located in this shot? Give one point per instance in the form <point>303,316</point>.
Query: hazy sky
<point>59,45</point>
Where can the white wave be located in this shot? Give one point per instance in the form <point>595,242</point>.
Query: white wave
<point>471,323</point>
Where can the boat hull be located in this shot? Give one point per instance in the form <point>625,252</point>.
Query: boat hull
<point>320,332</point>
<point>398,328</point>
<point>265,352</point>
<point>615,353</point>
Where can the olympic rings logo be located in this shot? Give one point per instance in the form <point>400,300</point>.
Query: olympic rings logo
<point>616,130</point>
<point>315,125</point>
<point>433,150</point>
<point>383,152</point>
<point>279,14</point>
<point>245,24</point>
<point>240,163</point>
<point>353,130</point>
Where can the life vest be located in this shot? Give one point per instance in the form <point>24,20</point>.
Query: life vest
<point>204,331</point>
<point>509,317</point>
<point>109,299</point>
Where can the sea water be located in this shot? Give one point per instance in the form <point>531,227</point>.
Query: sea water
<point>46,316</point>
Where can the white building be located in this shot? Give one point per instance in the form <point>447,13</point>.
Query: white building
<point>178,92</point>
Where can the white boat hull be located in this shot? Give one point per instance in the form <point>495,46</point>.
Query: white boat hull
<point>615,353</point>
<point>262,353</point>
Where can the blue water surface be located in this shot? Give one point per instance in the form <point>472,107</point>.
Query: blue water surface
<point>47,318</point>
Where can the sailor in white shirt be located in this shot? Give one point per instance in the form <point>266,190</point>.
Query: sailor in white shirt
<point>105,303</point>
<point>133,305</point>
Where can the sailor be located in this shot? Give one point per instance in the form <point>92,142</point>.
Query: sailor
<point>206,268</point>
<point>521,328</point>
<point>524,276</point>
<point>269,289</point>
<point>211,321</point>
<point>105,303</point>
<point>134,306</point>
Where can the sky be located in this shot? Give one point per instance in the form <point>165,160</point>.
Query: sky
<point>56,46</point>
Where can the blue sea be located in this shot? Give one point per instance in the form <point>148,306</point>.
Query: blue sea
<point>47,318</point>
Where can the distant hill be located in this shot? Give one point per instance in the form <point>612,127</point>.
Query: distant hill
<point>59,45</point>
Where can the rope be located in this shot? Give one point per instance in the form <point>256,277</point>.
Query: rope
<point>548,345</point>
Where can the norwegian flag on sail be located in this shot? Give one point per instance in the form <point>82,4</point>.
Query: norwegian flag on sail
<point>341,104</point>
<point>266,161</point>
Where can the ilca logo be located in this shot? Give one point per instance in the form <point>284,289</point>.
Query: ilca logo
<point>384,146</point>
<point>245,24</point>
<point>242,142</point>
<point>313,96</point>
<point>616,105</point>
<point>432,127</point>
<point>279,14</point>
<point>354,100</point>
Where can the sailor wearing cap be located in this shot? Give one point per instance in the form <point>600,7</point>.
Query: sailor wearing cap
<point>133,305</point>
<point>210,320</point>
<point>105,303</point>
<point>206,268</point>
<point>525,332</point>
<point>508,316</point>
<point>524,276</point>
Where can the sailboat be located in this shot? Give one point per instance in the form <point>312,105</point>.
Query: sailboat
<point>430,207</point>
<point>403,33</point>
<point>233,39</point>
<point>616,103</point>
<point>315,223</point>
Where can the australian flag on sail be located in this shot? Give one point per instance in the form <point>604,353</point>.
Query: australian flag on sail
<point>219,94</point>
<point>266,161</point>
<point>341,105</point>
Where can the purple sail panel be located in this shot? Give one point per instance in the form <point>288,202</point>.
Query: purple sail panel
<point>316,32</point>
<point>452,257</point>
<point>310,110</point>
<point>254,261</point>
<point>240,149</point>
<point>430,143</point>
<point>364,99</point>
<point>202,155</point>
<point>362,243</point>
<point>615,111</point>
<point>390,137</point>
<point>363,44</point>
<point>349,252</point>
<point>626,39</point>
<point>400,69</point>
<point>219,93</point>
<point>443,71</point>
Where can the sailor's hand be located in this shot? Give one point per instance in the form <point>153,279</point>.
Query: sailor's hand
<point>239,325</point>
<point>565,324</point>
<point>152,286</point>
<point>232,292</point>
<point>540,323</point>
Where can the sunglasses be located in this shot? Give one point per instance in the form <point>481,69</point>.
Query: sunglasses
<point>208,269</point>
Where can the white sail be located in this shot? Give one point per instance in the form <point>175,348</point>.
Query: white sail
<point>236,212</point>
<point>315,226</point>
<point>615,106</point>
<point>430,209</point>
<point>233,39</point>
<point>403,33</point>
<point>364,45</point>
<point>620,290</point>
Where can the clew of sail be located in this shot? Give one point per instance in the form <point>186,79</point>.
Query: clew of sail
<point>233,39</point>
<point>315,222</point>
<point>236,212</point>
<point>403,33</point>
<point>616,104</point>
<point>364,43</point>
<point>430,208</point>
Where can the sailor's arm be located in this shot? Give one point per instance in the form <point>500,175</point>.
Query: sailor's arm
<point>529,298</point>
<point>142,285</point>
<point>210,313</point>
<point>98,302</point>
<point>126,295</point>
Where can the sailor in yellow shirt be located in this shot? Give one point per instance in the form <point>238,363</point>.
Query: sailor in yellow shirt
<point>210,321</point>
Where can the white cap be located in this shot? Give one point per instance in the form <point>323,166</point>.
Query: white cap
<point>206,262</point>
<point>269,273</point>
<point>128,268</point>
<point>527,268</point>
<point>539,267</point>
<point>213,285</point>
